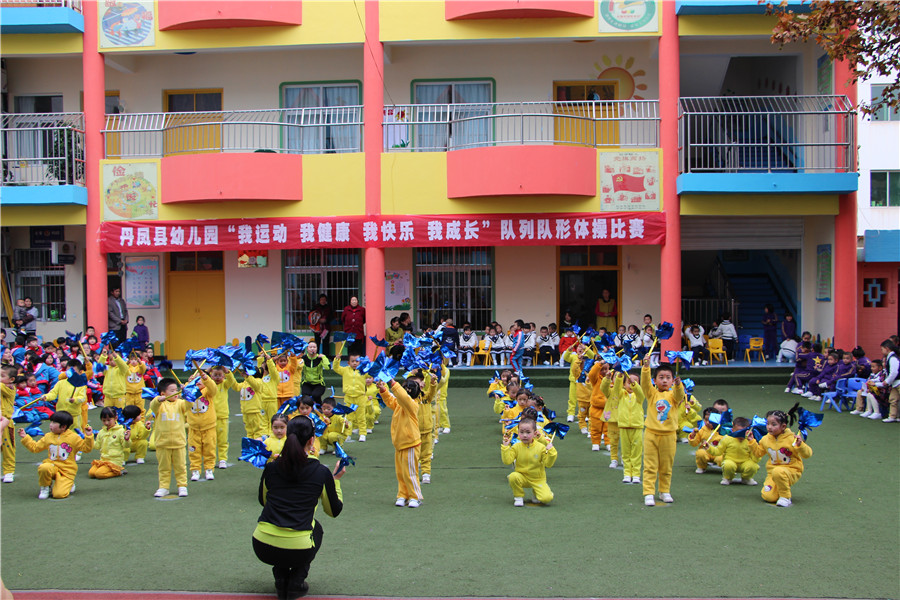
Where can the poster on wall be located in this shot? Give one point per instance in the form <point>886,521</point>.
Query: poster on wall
<point>141,281</point>
<point>823,272</point>
<point>629,181</point>
<point>628,16</point>
<point>248,259</point>
<point>127,24</point>
<point>130,191</point>
<point>396,290</point>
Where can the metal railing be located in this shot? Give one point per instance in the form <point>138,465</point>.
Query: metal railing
<point>442,127</point>
<point>787,134</point>
<point>42,148</point>
<point>324,130</point>
<point>706,311</point>
<point>73,4</point>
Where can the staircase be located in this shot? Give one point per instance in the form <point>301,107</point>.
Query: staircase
<point>754,292</point>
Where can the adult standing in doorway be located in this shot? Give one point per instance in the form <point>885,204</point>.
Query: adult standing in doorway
<point>25,316</point>
<point>607,312</point>
<point>319,320</point>
<point>117,314</point>
<point>353,318</point>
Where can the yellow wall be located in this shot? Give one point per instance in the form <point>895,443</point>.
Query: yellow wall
<point>16,216</point>
<point>758,204</point>
<point>28,44</point>
<point>725,25</point>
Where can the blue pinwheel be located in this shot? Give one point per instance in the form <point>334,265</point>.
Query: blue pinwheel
<point>288,406</point>
<point>288,342</point>
<point>165,365</point>
<point>109,338</point>
<point>318,423</point>
<point>680,357</point>
<point>576,329</point>
<point>73,338</point>
<point>345,460</point>
<point>556,429</point>
<point>665,330</point>
<point>585,369</point>
<point>343,409</point>
<point>191,390</point>
<point>261,340</point>
<point>254,452</point>
<point>806,421</point>
<point>688,386</point>
<point>77,380</point>
<point>381,343</point>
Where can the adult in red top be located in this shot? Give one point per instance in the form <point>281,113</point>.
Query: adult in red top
<point>354,319</point>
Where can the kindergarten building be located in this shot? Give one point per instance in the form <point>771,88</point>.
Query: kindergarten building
<point>226,162</point>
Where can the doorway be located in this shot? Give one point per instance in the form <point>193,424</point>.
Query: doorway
<point>584,272</point>
<point>195,302</point>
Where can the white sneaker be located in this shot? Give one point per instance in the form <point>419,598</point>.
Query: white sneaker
<point>570,418</point>
<point>413,503</point>
<point>195,475</point>
<point>9,477</point>
<point>400,502</point>
<point>890,420</point>
<point>595,447</point>
<point>446,430</point>
<point>725,482</point>
<point>807,394</point>
<point>698,470</point>
<point>77,456</point>
<point>705,362</point>
<point>750,482</point>
<point>783,502</point>
<point>608,448</point>
<point>584,430</point>
<point>865,414</point>
<point>368,431</point>
<point>362,438</point>
<point>223,464</point>
<point>72,490</point>
<point>648,500</point>
<point>44,492</point>
<point>855,412</point>
<point>182,491</point>
<point>635,479</point>
<point>161,492</point>
<point>613,464</point>
<point>667,498</point>
<point>354,432</point>
<point>683,440</point>
<point>787,390</point>
<point>210,475</point>
<point>518,501</point>
<point>796,390</point>
<point>426,477</point>
<point>875,416</point>
<point>626,479</point>
<point>140,461</point>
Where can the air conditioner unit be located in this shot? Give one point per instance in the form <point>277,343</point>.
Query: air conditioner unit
<point>62,253</point>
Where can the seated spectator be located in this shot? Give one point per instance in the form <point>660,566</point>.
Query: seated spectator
<point>565,342</point>
<point>788,350</point>
<point>545,347</point>
<point>693,334</point>
<point>468,345</point>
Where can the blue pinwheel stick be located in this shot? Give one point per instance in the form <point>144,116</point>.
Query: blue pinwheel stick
<point>345,460</point>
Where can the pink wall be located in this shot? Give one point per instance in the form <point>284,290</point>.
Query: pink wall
<point>874,325</point>
<point>521,9</point>
<point>204,14</point>
<point>522,171</point>
<point>214,177</point>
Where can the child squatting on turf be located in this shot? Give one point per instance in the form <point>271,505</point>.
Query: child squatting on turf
<point>532,458</point>
<point>59,468</point>
<point>114,443</point>
<point>735,453</point>
<point>786,452</point>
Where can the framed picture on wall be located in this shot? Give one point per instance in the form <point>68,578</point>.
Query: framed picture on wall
<point>141,281</point>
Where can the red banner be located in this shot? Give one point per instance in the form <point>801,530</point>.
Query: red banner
<point>387,231</point>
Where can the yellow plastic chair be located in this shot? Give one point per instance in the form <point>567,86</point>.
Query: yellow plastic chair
<point>756,345</point>
<point>483,352</point>
<point>716,348</point>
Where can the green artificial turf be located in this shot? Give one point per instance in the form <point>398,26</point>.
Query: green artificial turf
<point>596,539</point>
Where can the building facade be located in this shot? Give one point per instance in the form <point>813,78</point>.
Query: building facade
<point>228,162</point>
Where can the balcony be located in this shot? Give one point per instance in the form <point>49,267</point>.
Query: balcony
<point>203,14</point>
<point>767,145</point>
<point>522,148</point>
<point>43,158</point>
<point>527,9</point>
<point>233,155</point>
<point>48,16</point>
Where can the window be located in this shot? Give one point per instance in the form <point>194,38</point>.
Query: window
<point>875,292</point>
<point>884,112</point>
<point>32,156</point>
<point>460,126</point>
<point>196,261</point>
<point>309,273</point>
<point>456,283</point>
<point>193,100</point>
<point>885,188</point>
<point>44,283</point>
<point>335,128</point>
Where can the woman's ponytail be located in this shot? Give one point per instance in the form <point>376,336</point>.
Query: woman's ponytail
<point>293,456</point>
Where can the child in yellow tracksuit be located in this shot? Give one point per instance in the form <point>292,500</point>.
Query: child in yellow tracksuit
<point>598,424</point>
<point>265,388</point>
<point>275,442</point>
<point>287,374</point>
<point>583,392</point>
<point>499,384</point>
<point>252,413</point>
<point>59,468</point>
<point>688,418</point>
<point>69,399</point>
<point>140,433</point>
<point>353,384</point>
<point>170,413</point>
<point>305,407</point>
<point>626,407</point>
<point>427,406</point>
<point>786,452</point>
<point>224,380</point>
<point>532,458</point>
<point>708,435</point>
<point>114,380</point>
<point>114,442</point>
<point>735,453</point>
<point>7,405</point>
<point>443,417</point>
<point>512,413</point>
<point>405,436</point>
<point>201,420</point>
<point>664,400</point>
<point>574,355</point>
<point>134,382</point>
<point>373,408</point>
<point>338,427</point>
<point>504,395</point>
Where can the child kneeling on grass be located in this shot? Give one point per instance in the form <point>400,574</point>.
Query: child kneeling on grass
<point>532,458</point>
<point>735,453</point>
<point>59,468</point>
<point>114,443</point>
<point>786,452</point>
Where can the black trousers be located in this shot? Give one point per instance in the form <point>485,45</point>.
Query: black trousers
<point>297,561</point>
<point>313,389</point>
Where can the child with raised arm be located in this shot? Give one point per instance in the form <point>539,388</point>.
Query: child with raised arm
<point>353,384</point>
<point>575,355</point>
<point>598,424</point>
<point>373,407</point>
<point>265,384</point>
<point>170,413</point>
<point>69,398</point>
<point>59,468</point>
<point>427,425</point>
<point>114,443</point>
<point>664,400</point>
<point>786,452</point>
<point>201,420</point>
<point>114,381</point>
<point>250,391</point>
<point>140,433</point>
<point>7,405</point>
<point>532,458</point>
<point>134,381</point>
<point>224,380</point>
<point>735,454</point>
<point>626,404</point>
<point>406,438</point>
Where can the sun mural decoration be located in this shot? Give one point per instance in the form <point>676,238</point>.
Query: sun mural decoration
<point>614,70</point>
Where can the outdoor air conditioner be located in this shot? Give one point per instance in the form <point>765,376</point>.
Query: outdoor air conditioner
<point>62,253</point>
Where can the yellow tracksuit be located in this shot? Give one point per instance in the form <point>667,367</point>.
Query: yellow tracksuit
<point>583,392</point>
<point>598,427</point>
<point>689,416</point>
<point>287,379</point>
<point>337,431</point>
<point>134,383</point>
<point>703,456</point>
<point>531,464</point>
<point>610,416</point>
<point>222,414</point>
<point>427,406</point>
<point>114,449</point>
<point>114,381</point>
<point>60,466</point>
<point>170,418</point>
<point>275,446</point>
<point>252,411</point>
<point>353,384</point>
<point>630,413</point>
<point>659,433</point>
<point>508,415</point>
<point>7,405</point>
<point>570,356</point>
<point>735,453</point>
<point>202,421</point>
<point>140,434</point>
<point>443,417</point>
<point>500,403</point>
<point>373,408</point>
<point>266,388</point>
<point>785,465</point>
<point>406,439</point>
<point>68,399</point>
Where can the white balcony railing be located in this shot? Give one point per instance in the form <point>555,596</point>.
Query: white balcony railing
<point>784,134</point>
<point>442,127</point>
<point>286,130</point>
<point>73,4</point>
<point>42,148</point>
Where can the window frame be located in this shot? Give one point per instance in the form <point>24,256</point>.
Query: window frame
<point>884,113</point>
<point>285,85</point>
<point>889,200</point>
<point>456,267</point>
<point>320,267</point>
<point>44,271</point>
<point>452,81</point>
